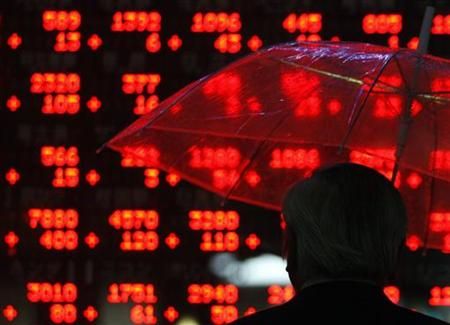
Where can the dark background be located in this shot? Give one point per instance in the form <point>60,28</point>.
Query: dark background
<point>25,131</point>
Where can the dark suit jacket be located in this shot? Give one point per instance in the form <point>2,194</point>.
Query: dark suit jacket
<point>339,302</point>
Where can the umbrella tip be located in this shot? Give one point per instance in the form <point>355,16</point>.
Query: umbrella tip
<point>101,148</point>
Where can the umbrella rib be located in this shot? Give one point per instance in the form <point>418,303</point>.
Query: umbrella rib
<point>357,81</point>
<point>254,154</point>
<point>361,107</point>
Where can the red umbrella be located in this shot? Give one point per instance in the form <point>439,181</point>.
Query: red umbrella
<point>252,129</point>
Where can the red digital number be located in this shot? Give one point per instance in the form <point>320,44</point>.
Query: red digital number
<point>55,293</point>
<point>134,219</point>
<point>219,242</point>
<point>54,83</point>
<point>140,83</point>
<point>223,314</point>
<point>440,296</point>
<point>228,43</point>
<point>122,293</point>
<point>61,104</point>
<point>58,218</point>
<point>136,21</point>
<point>63,313</point>
<point>213,220</point>
<point>61,20</point>
<point>59,240</point>
<point>382,24</point>
<point>441,159</point>
<point>145,105</point>
<point>140,314</point>
<point>214,158</point>
<point>152,159</point>
<point>59,156</point>
<point>216,22</point>
<point>278,294</point>
<point>295,158</point>
<point>381,159</point>
<point>440,222</point>
<point>139,241</point>
<point>207,293</point>
<point>441,25</point>
<point>305,23</point>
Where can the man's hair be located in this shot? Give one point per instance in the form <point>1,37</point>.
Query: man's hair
<point>345,221</point>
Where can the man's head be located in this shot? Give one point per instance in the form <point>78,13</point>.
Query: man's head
<point>345,221</point>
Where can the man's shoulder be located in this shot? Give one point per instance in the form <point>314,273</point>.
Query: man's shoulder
<point>407,316</point>
<point>273,315</point>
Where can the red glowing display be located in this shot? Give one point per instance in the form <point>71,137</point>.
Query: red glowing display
<point>441,25</point>
<point>216,22</point>
<point>414,180</point>
<point>144,105</point>
<point>381,159</point>
<point>136,21</point>
<point>141,314</point>
<point>171,314</point>
<point>153,43</point>
<point>14,41</point>
<point>223,314</point>
<point>58,218</point>
<point>439,296</point>
<point>393,293</point>
<point>12,176</point>
<point>13,103</point>
<point>55,293</point>
<point>122,293</point>
<point>174,42</point>
<point>10,313</point>
<point>254,43</point>
<point>228,43</point>
<point>90,313</point>
<point>413,242</point>
<point>63,313</point>
<point>66,177</point>
<point>61,20</point>
<point>139,241</point>
<point>11,239</point>
<point>94,104</point>
<point>207,294</point>
<point>413,43</point>
<point>305,23</point>
<point>279,295</point>
<point>140,83</point>
<point>92,240</point>
<point>57,83</point>
<point>214,158</point>
<point>440,222</point>
<point>59,240</point>
<point>93,177</point>
<point>441,159</point>
<point>252,241</point>
<point>152,159</point>
<point>172,240</point>
<point>59,156</point>
<point>173,179</point>
<point>219,241</point>
<point>213,220</point>
<point>67,42</point>
<point>382,24</point>
<point>295,158</point>
<point>61,104</point>
<point>134,219</point>
<point>94,42</point>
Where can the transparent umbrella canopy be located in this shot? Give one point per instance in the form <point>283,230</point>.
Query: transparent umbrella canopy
<point>252,129</point>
